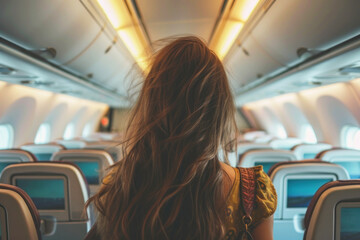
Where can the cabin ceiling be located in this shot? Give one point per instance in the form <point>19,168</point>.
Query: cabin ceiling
<point>293,46</point>
<point>164,18</point>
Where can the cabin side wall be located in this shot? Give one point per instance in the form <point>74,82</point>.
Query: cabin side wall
<point>327,111</point>
<point>25,109</point>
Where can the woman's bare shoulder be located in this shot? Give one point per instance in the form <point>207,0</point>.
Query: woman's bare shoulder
<point>230,171</point>
<point>229,178</point>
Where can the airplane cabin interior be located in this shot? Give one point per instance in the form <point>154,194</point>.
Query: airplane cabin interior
<point>71,71</point>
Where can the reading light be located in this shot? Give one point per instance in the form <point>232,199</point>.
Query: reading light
<point>226,40</point>
<point>245,8</point>
<point>231,25</point>
<point>128,29</point>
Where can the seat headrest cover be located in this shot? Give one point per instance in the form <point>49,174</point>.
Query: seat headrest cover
<point>34,159</point>
<point>322,189</point>
<point>32,208</point>
<point>272,169</point>
<point>322,153</point>
<point>310,145</point>
<point>295,146</point>
<point>317,195</point>
<point>66,163</point>
<point>78,168</point>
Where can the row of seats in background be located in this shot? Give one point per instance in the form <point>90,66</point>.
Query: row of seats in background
<point>301,173</point>
<point>250,154</point>
<point>59,192</point>
<point>44,187</point>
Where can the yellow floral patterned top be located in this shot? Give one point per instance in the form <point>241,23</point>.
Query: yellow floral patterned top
<point>264,205</point>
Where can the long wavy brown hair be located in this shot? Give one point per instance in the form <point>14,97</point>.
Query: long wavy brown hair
<point>169,183</point>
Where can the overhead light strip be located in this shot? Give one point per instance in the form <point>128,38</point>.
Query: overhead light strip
<point>128,28</point>
<point>29,63</point>
<point>238,13</point>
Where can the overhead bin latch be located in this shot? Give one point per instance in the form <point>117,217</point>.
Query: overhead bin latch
<point>47,53</point>
<point>114,41</point>
<point>305,53</point>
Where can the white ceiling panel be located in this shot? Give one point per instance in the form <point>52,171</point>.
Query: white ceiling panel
<point>164,18</point>
<point>181,28</point>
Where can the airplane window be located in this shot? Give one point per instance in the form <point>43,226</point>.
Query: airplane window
<point>6,136</point>
<point>308,134</point>
<point>87,130</point>
<point>351,137</point>
<point>357,139</point>
<point>280,131</point>
<point>69,131</point>
<point>43,134</point>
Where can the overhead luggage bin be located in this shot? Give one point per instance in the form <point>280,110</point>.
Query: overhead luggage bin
<point>39,25</point>
<point>101,61</point>
<point>249,62</point>
<point>289,26</point>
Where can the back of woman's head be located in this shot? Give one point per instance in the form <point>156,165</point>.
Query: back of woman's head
<point>169,183</point>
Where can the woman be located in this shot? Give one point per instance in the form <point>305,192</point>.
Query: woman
<point>170,183</point>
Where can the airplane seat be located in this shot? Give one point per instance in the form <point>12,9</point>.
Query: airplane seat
<point>115,151</point>
<point>334,212</point>
<point>93,164</point>
<point>263,139</point>
<point>43,152</point>
<point>87,168</point>
<point>19,218</point>
<point>265,157</point>
<point>251,135</point>
<point>18,155</point>
<point>244,147</point>
<point>59,192</point>
<point>309,151</point>
<point>285,144</point>
<point>106,136</point>
<point>320,154</point>
<point>296,182</point>
<point>12,156</point>
<point>347,158</point>
<point>112,147</point>
<point>72,144</point>
<point>101,144</point>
